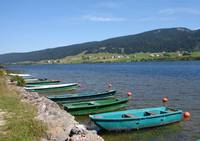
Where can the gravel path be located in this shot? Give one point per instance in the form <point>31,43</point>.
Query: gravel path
<point>2,121</point>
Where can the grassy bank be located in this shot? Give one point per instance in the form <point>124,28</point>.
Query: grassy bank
<point>20,123</point>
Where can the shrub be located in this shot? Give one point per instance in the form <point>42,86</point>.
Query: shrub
<point>186,53</point>
<point>19,80</point>
<point>2,72</point>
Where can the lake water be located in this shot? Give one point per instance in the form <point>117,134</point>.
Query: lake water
<point>149,82</point>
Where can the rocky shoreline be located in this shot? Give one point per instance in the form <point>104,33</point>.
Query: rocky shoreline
<point>61,125</point>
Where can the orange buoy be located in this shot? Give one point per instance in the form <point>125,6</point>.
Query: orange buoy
<point>129,93</point>
<point>109,85</point>
<point>165,99</point>
<point>186,115</point>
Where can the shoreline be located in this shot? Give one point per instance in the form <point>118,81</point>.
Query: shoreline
<point>61,126</point>
<point>117,57</point>
<point>149,61</point>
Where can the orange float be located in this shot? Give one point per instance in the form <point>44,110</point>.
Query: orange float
<point>129,93</point>
<point>109,85</point>
<point>186,115</point>
<point>165,99</point>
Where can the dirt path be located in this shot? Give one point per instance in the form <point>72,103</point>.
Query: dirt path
<point>2,121</point>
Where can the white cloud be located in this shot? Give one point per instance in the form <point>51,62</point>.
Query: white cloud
<point>173,11</point>
<point>102,18</point>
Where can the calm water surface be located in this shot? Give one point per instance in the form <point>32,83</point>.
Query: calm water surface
<point>149,82</point>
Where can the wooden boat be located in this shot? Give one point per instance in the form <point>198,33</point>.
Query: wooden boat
<point>90,107</point>
<point>137,118</point>
<point>40,82</point>
<point>55,87</point>
<point>66,98</point>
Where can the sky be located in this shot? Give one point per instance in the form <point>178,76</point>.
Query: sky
<point>29,25</point>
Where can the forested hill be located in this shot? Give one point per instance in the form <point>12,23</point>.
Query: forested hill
<point>160,40</point>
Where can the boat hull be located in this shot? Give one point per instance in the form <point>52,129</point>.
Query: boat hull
<point>53,89</point>
<point>30,79</point>
<point>85,108</point>
<point>135,124</point>
<point>69,98</point>
<point>20,75</point>
<point>32,84</point>
<point>97,110</point>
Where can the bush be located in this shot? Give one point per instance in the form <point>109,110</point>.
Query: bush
<point>2,72</point>
<point>19,80</point>
<point>186,53</point>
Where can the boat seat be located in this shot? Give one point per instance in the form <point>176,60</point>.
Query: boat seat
<point>129,116</point>
<point>171,110</point>
<point>92,103</point>
<point>149,113</point>
<point>163,112</point>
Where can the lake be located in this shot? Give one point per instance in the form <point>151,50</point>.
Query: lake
<point>149,83</point>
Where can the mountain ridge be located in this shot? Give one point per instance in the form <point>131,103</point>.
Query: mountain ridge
<point>158,40</point>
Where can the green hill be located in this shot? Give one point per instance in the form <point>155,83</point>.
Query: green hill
<point>160,40</point>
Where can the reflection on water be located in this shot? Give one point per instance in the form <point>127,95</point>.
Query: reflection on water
<point>161,134</point>
<point>149,82</point>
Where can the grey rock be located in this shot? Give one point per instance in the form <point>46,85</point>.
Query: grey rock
<point>77,129</point>
<point>61,125</point>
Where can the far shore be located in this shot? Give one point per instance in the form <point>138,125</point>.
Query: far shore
<point>116,58</point>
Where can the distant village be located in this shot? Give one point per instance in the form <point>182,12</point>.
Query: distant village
<point>92,57</point>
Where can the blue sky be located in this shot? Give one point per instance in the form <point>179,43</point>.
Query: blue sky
<point>28,25</point>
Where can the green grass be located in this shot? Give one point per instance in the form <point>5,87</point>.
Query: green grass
<point>2,72</point>
<point>19,80</point>
<point>20,122</point>
<point>136,57</point>
<point>114,57</point>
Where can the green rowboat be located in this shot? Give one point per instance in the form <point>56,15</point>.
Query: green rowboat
<point>41,82</point>
<point>54,88</point>
<point>69,98</point>
<point>33,79</point>
<point>91,107</point>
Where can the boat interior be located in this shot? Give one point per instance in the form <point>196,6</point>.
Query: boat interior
<point>139,113</point>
